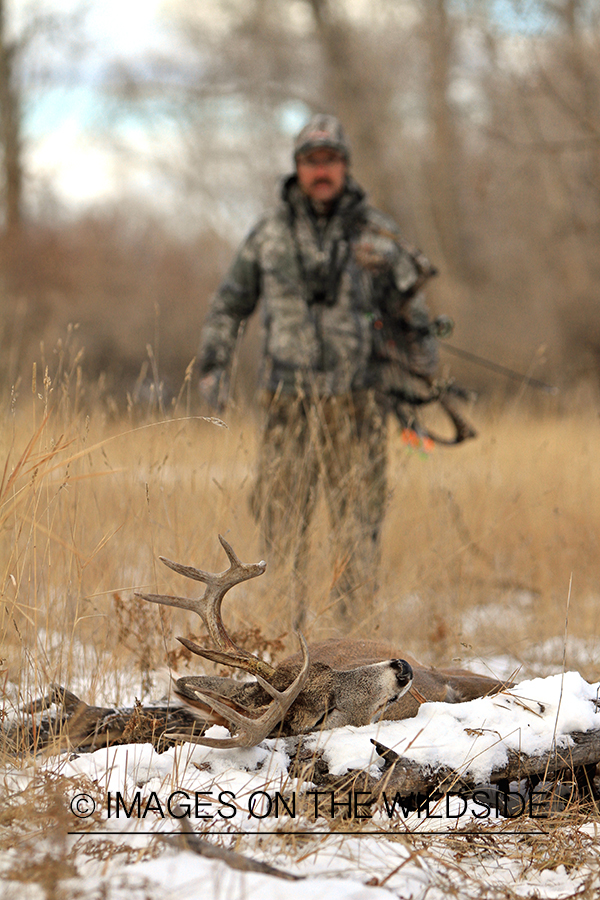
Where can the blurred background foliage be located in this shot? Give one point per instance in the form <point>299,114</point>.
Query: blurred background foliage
<point>475,123</point>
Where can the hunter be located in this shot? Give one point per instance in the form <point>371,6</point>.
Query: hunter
<point>328,267</point>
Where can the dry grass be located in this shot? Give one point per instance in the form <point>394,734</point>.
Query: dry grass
<point>480,545</point>
<point>491,535</point>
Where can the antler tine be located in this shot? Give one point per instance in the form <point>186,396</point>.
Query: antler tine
<point>247,663</point>
<point>419,697</point>
<point>253,731</point>
<point>208,606</point>
<point>231,554</point>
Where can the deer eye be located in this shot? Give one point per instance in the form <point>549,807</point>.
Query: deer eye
<point>321,720</point>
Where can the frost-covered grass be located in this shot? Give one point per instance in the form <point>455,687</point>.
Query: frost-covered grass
<point>489,556</point>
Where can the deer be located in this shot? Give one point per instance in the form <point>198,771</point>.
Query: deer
<point>326,685</point>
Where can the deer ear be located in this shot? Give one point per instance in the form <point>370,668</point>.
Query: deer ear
<point>199,697</point>
<point>209,715</point>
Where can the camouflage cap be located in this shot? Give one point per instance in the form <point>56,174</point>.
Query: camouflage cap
<point>322,131</point>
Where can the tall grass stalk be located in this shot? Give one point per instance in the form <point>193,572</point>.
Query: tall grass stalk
<point>479,540</point>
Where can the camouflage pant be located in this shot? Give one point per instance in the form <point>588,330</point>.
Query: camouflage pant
<point>340,444</point>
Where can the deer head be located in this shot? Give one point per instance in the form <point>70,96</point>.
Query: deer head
<point>292,698</point>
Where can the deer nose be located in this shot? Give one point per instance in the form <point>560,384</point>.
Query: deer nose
<point>404,672</point>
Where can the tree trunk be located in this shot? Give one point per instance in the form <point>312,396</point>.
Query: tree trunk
<point>362,106</point>
<point>10,136</point>
<point>444,150</point>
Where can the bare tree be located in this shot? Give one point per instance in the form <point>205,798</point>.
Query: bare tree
<point>444,155</point>
<point>11,141</point>
<point>502,189</point>
<point>28,62</point>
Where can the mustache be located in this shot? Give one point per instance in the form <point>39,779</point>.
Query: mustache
<point>322,180</point>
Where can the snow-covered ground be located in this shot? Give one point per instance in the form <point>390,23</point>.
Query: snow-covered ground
<point>118,833</point>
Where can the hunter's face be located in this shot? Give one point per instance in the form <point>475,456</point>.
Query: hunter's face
<point>322,174</point>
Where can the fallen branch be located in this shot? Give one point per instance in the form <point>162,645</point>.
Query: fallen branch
<point>82,727</point>
<point>408,777</point>
<point>234,860</point>
<point>78,726</point>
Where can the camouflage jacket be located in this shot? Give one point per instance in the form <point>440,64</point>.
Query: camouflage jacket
<point>323,283</point>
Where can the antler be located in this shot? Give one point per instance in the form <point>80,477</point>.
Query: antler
<point>251,731</point>
<point>208,606</point>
